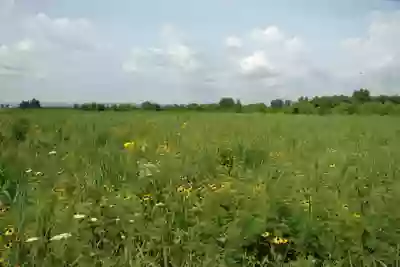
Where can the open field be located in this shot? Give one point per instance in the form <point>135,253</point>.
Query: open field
<point>196,189</point>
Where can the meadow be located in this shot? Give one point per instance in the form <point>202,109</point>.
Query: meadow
<point>198,189</point>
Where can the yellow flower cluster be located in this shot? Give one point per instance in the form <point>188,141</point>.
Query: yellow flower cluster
<point>276,240</point>
<point>185,189</point>
<point>276,155</point>
<point>9,231</point>
<point>280,241</point>
<point>212,187</point>
<point>129,145</point>
<point>146,197</point>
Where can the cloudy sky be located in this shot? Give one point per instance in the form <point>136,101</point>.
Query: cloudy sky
<point>180,51</point>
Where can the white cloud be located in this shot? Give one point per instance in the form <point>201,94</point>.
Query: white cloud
<point>66,33</point>
<point>373,60</point>
<point>294,45</point>
<point>182,57</point>
<point>3,50</point>
<point>173,56</point>
<point>272,55</point>
<point>233,42</point>
<point>16,59</point>
<point>270,34</point>
<point>49,57</point>
<point>25,45</point>
<point>256,65</point>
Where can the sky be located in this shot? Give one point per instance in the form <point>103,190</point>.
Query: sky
<point>180,51</point>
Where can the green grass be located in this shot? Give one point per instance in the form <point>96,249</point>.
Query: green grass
<point>198,189</point>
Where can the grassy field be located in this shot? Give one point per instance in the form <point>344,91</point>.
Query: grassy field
<point>192,189</point>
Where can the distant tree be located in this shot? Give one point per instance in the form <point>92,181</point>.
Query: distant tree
<point>193,106</point>
<point>361,96</point>
<point>147,105</point>
<point>226,103</point>
<point>100,107</point>
<point>295,110</point>
<point>257,107</point>
<point>345,108</point>
<point>288,103</point>
<point>34,103</point>
<point>302,99</point>
<point>277,103</point>
<point>303,107</point>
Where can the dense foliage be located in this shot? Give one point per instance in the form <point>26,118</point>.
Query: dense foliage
<point>361,102</point>
<point>34,103</point>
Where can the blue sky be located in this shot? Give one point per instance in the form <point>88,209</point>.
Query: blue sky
<point>184,51</point>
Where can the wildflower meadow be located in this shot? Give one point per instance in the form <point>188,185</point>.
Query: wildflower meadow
<point>198,189</point>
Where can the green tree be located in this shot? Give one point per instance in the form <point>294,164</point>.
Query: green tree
<point>361,96</point>
<point>277,103</point>
<point>226,103</point>
<point>147,105</point>
<point>34,103</point>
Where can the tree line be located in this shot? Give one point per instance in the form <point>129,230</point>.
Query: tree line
<point>360,102</point>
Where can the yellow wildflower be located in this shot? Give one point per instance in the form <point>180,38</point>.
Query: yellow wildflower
<point>9,232</point>
<point>146,197</point>
<point>180,189</point>
<point>356,215</point>
<point>8,245</point>
<point>332,165</point>
<point>184,189</point>
<point>266,234</point>
<point>184,125</point>
<point>279,241</point>
<point>129,145</point>
<point>212,186</point>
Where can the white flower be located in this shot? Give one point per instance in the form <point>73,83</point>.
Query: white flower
<point>60,237</point>
<point>117,219</point>
<point>28,171</point>
<point>160,204</point>
<point>32,239</point>
<point>53,153</point>
<point>131,221</point>
<point>39,173</point>
<point>93,219</point>
<point>79,216</point>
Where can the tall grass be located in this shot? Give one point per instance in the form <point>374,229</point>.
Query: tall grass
<point>198,189</point>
